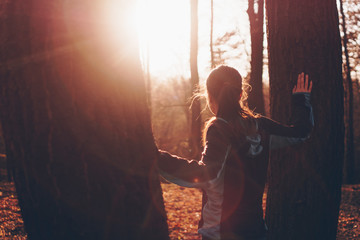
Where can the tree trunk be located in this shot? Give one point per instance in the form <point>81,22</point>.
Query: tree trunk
<point>305,180</point>
<point>211,34</point>
<point>76,123</point>
<point>195,135</point>
<point>256,19</point>
<point>148,76</point>
<point>349,156</point>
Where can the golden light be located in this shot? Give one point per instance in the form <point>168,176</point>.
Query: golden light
<point>163,32</point>
<point>163,28</point>
<point>119,18</point>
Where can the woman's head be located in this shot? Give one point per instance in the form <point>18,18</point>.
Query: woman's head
<point>224,89</point>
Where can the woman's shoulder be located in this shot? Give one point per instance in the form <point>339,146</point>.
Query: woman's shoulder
<point>239,127</point>
<point>218,128</point>
<point>217,124</point>
<point>247,125</point>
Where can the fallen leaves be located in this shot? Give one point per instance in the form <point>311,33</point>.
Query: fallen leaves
<point>183,207</point>
<point>11,223</point>
<point>349,220</point>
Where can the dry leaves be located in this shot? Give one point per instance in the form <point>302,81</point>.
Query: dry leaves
<point>183,206</point>
<point>182,226</point>
<point>349,220</point>
<point>11,223</point>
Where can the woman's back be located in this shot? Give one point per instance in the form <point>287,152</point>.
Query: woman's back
<point>244,177</point>
<point>233,167</point>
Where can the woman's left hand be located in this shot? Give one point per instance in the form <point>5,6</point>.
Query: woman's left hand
<point>303,85</point>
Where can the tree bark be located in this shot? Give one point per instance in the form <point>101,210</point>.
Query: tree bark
<point>213,65</point>
<point>148,77</point>
<point>76,123</point>
<point>349,156</point>
<point>305,180</point>
<point>195,134</point>
<point>256,20</point>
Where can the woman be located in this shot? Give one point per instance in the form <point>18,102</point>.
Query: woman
<point>233,167</point>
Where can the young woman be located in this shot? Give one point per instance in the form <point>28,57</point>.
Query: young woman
<point>233,167</point>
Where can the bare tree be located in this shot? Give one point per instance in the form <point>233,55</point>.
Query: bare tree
<point>195,130</point>
<point>171,116</point>
<point>148,75</point>
<point>256,19</point>
<point>305,181</point>
<point>349,159</point>
<point>211,34</point>
<point>76,123</point>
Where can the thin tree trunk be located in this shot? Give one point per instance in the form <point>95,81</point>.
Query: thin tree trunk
<point>305,180</point>
<point>256,18</point>
<point>195,135</point>
<point>148,76</point>
<point>76,123</point>
<point>211,34</point>
<point>349,160</point>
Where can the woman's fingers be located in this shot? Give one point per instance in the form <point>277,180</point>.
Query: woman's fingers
<point>303,84</point>
<point>300,83</point>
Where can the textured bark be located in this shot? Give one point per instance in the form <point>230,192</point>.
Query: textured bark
<point>195,134</point>
<point>256,20</point>
<point>305,180</point>
<point>76,124</point>
<point>349,159</point>
<point>212,61</point>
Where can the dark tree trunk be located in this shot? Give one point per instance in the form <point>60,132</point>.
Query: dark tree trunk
<point>195,134</point>
<point>349,159</point>
<point>76,123</point>
<point>305,180</point>
<point>256,19</point>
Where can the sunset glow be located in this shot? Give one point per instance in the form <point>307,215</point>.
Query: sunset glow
<point>163,27</point>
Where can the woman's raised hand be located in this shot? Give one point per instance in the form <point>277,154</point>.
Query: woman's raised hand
<point>303,84</point>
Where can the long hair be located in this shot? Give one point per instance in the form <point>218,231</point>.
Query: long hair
<point>224,87</point>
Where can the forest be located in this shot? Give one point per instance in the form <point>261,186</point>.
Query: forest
<point>90,91</point>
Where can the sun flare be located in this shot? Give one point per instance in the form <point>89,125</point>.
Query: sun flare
<point>163,25</point>
<point>163,32</point>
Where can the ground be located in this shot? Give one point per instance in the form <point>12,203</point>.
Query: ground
<point>183,210</point>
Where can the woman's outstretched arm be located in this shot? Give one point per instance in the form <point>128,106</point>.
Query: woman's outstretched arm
<point>192,173</point>
<point>302,118</point>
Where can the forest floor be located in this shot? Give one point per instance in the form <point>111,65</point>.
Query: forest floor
<point>183,211</point>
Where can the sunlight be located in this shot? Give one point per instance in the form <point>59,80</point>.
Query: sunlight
<point>163,29</point>
<point>163,25</point>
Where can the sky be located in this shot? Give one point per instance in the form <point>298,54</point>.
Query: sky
<point>164,35</point>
